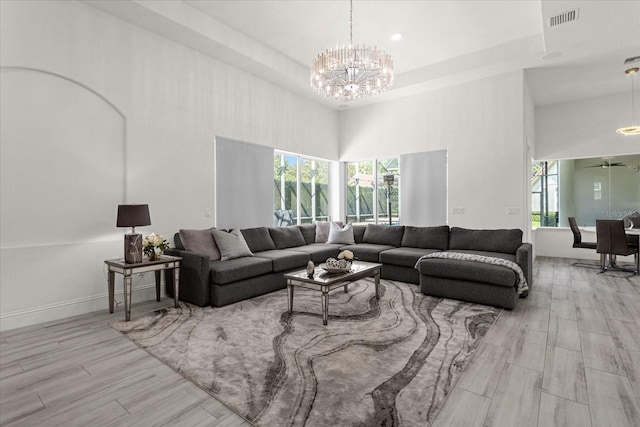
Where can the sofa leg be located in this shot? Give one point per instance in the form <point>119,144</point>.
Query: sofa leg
<point>524,294</point>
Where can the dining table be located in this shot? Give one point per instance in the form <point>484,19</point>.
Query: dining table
<point>628,231</point>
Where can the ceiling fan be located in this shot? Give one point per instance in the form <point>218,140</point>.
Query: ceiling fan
<point>606,164</point>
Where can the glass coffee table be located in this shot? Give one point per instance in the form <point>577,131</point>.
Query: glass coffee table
<point>326,282</point>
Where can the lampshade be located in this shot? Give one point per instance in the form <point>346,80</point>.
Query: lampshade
<point>133,215</point>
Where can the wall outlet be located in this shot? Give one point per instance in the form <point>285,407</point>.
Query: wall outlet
<point>457,211</point>
<point>513,211</point>
<point>207,212</point>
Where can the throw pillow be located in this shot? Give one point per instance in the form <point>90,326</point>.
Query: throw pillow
<point>338,234</point>
<point>358,232</point>
<point>308,232</point>
<point>200,241</point>
<point>258,239</point>
<point>287,237</point>
<point>231,245</point>
<point>322,230</point>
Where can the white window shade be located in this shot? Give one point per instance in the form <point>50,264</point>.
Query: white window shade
<point>423,199</point>
<point>244,184</point>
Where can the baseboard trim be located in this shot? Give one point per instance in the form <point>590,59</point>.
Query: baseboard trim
<point>60,310</point>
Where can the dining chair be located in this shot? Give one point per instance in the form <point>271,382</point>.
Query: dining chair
<point>612,240</point>
<point>578,243</point>
<point>577,236</point>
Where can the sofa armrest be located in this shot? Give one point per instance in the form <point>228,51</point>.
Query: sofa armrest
<point>194,277</point>
<point>524,258</point>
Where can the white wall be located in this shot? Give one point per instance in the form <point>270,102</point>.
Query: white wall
<point>480,124</point>
<point>585,128</point>
<point>529,143</point>
<point>556,242</point>
<point>155,108</point>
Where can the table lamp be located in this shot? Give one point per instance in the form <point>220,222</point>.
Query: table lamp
<point>133,216</point>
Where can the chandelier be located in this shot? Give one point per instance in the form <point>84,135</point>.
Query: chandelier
<point>351,72</point>
<point>634,127</point>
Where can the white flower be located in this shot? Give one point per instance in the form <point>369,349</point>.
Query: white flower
<point>153,240</point>
<point>348,255</point>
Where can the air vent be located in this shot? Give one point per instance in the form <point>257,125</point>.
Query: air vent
<point>564,18</point>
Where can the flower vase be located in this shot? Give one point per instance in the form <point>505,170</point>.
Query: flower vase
<point>153,256</point>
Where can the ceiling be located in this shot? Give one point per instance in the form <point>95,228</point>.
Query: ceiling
<point>444,42</point>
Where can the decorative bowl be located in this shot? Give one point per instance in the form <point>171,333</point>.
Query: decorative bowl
<point>329,269</point>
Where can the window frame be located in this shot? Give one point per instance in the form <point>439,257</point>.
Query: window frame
<point>298,161</point>
<point>377,180</point>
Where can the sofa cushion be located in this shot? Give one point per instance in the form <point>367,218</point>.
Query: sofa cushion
<point>339,234</point>
<point>319,252</point>
<point>404,257</point>
<point>426,237</point>
<point>286,237</point>
<point>367,251</point>
<point>505,241</point>
<point>223,272</point>
<point>358,232</point>
<point>199,241</point>
<point>383,234</point>
<point>308,232</point>
<point>285,259</point>
<point>258,239</point>
<point>468,271</point>
<point>231,245</point>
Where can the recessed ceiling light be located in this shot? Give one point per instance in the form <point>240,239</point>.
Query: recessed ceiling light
<point>396,37</point>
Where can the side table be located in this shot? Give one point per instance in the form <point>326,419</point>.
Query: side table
<point>171,265</point>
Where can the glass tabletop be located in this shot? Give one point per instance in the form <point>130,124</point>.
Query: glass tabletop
<point>322,277</point>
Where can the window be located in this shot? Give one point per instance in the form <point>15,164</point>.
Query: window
<point>587,189</point>
<point>373,191</point>
<point>597,190</point>
<point>301,189</point>
<point>544,192</point>
<point>388,185</point>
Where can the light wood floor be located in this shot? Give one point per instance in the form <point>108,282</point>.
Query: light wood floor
<point>568,355</point>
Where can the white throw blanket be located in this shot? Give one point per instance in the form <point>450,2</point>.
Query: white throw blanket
<point>522,281</point>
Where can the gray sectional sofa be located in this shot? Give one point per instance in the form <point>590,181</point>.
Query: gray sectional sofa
<point>276,250</point>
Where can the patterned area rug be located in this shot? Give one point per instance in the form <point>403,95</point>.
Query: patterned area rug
<point>390,362</point>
